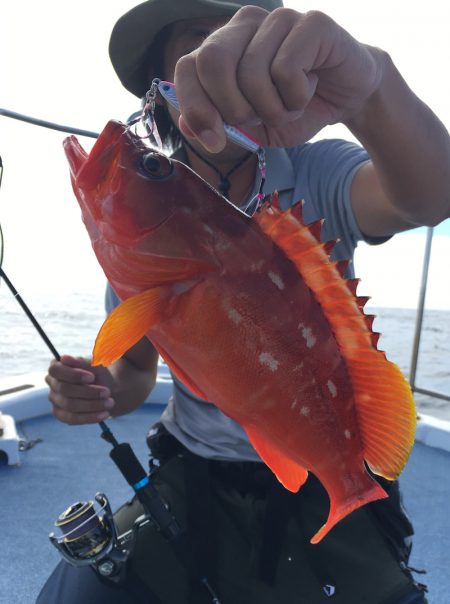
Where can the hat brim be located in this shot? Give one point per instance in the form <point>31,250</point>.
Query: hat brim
<point>134,32</point>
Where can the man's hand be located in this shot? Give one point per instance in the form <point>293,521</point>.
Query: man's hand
<point>290,73</point>
<point>79,393</point>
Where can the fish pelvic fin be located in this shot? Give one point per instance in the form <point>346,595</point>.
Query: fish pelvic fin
<point>291,474</point>
<point>383,399</point>
<point>128,323</point>
<point>371,491</point>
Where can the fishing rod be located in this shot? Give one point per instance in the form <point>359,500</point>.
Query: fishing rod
<point>89,539</point>
<point>106,432</point>
<point>45,124</point>
<point>83,532</point>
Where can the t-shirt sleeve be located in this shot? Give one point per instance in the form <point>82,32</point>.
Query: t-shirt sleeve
<point>111,299</point>
<point>324,174</point>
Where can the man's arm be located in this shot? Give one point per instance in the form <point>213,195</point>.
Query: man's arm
<point>407,184</point>
<point>296,73</point>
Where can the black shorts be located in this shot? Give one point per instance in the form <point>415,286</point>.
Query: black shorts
<point>250,538</point>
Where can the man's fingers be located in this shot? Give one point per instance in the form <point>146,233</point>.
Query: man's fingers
<point>199,115</point>
<point>81,405</point>
<point>217,62</point>
<point>206,80</point>
<point>74,390</point>
<point>75,398</point>
<point>76,419</point>
<point>72,370</point>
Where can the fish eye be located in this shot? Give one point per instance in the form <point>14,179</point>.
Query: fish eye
<point>156,166</point>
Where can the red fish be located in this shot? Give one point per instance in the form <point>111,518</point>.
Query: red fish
<point>249,313</point>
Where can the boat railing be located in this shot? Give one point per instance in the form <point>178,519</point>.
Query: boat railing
<point>419,323</point>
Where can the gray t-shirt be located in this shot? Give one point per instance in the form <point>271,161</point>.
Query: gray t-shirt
<point>321,174</point>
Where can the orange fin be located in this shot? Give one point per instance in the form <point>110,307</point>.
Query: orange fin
<point>384,403</point>
<point>128,323</point>
<point>291,474</point>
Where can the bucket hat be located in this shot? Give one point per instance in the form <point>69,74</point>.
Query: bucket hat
<point>134,32</point>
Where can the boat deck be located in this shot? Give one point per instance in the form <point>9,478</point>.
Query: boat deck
<point>71,464</point>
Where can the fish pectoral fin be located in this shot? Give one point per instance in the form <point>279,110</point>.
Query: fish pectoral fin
<point>291,474</point>
<point>128,323</point>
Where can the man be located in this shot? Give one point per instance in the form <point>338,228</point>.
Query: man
<point>282,76</point>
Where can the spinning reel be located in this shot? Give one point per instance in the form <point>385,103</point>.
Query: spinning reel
<point>89,538</point>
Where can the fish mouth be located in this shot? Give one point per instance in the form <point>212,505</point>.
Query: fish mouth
<point>105,147</point>
<point>83,164</point>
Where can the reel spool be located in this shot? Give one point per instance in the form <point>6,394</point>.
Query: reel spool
<point>89,538</point>
<point>84,533</point>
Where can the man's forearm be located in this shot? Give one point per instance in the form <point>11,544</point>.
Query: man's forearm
<point>131,386</point>
<point>409,146</point>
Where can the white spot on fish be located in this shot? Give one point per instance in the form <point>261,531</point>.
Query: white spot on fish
<point>208,229</point>
<point>308,335</point>
<point>235,316</point>
<point>257,266</point>
<point>332,388</point>
<point>277,280</point>
<point>223,245</point>
<point>347,434</point>
<point>294,404</point>
<point>305,411</point>
<point>265,358</point>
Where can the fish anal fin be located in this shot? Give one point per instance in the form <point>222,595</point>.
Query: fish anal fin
<point>128,323</point>
<point>291,474</point>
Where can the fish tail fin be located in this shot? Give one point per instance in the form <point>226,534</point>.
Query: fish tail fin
<point>370,491</point>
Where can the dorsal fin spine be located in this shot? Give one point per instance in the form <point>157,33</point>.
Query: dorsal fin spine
<point>357,342</point>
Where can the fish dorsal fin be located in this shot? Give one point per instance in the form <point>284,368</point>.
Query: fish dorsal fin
<point>128,323</point>
<point>291,474</point>
<point>384,403</point>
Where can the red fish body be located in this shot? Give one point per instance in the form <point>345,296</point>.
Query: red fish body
<point>249,313</point>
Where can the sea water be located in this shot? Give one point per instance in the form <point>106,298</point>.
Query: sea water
<point>72,322</point>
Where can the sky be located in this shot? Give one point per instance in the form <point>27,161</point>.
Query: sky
<point>55,66</point>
